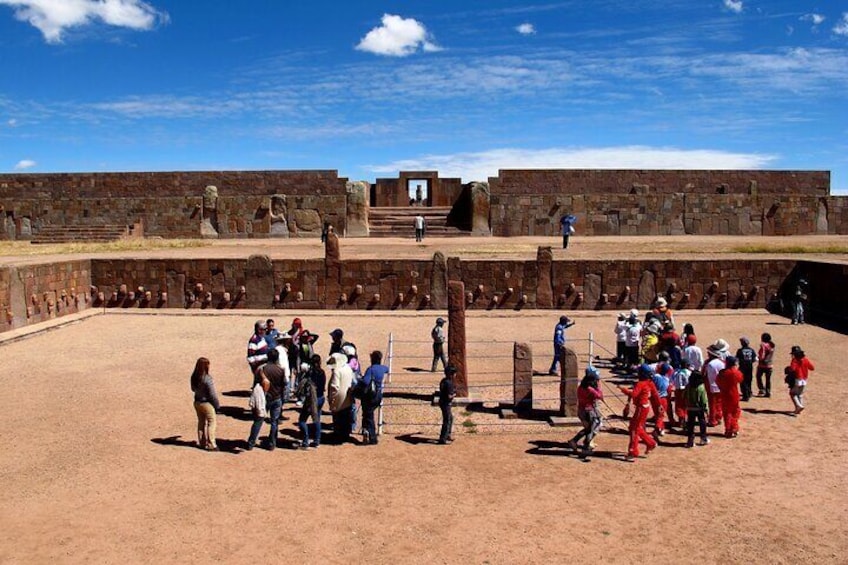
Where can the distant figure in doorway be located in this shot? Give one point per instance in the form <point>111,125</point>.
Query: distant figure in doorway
<point>566,224</point>
<point>419,227</point>
<point>419,195</point>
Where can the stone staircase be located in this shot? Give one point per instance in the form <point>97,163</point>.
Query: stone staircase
<point>67,234</point>
<point>400,222</point>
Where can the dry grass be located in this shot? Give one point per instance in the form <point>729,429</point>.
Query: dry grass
<point>791,249</point>
<point>23,248</point>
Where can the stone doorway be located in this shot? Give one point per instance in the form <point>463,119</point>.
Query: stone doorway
<point>419,192</point>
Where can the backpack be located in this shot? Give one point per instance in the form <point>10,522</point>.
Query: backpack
<point>372,392</point>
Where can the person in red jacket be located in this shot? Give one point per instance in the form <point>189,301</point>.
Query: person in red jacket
<point>728,382</point>
<point>641,396</point>
<point>802,367</point>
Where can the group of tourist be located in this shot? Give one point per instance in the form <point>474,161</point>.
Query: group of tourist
<point>677,386</point>
<point>284,367</point>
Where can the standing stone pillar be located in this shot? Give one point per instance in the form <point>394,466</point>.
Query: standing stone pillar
<point>544,287</point>
<point>568,382</point>
<point>209,214</point>
<point>480,205</point>
<point>522,377</point>
<point>456,336</point>
<point>332,270</point>
<point>439,282</point>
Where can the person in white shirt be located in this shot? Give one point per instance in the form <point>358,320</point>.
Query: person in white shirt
<point>419,227</point>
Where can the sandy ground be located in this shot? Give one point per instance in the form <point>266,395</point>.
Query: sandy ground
<point>98,463</point>
<point>600,247</point>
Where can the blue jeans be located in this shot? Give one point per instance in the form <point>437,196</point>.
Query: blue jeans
<point>555,363</point>
<point>275,408</point>
<point>304,428</point>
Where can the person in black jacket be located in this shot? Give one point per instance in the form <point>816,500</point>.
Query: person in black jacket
<point>447,392</point>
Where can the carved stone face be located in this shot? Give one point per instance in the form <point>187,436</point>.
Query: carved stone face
<point>278,206</point>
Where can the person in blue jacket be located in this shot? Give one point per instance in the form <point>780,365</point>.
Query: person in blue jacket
<point>372,396</point>
<point>559,342</point>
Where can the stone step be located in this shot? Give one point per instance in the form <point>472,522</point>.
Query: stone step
<point>66,234</point>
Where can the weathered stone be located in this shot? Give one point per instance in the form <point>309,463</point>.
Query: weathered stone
<point>456,336</point>
<point>522,377</point>
<point>439,282</point>
<point>647,290</point>
<point>544,286</point>
<point>259,282</point>
<point>278,214</point>
<point>480,207</point>
<point>357,208</point>
<point>569,379</point>
<point>307,221</point>
<point>592,290</point>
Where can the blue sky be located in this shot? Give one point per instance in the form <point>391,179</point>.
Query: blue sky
<point>463,87</point>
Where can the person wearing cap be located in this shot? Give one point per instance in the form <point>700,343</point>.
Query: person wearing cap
<point>765,365</point>
<point>257,347</point>
<point>559,342</point>
<point>641,395</point>
<point>728,382</point>
<point>679,381</point>
<point>311,390</point>
<point>633,338</point>
<point>651,341</point>
<point>802,366</point>
<point>372,384</point>
<point>588,395</point>
<point>660,312</point>
<point>716,354</point>
<point>337,335</point>
<point>447,392</point>
<point>746,356</point>
<point>438,336</point>
<point>340,395</point>
<point>693,353</point>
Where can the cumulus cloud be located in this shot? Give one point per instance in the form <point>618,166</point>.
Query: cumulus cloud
<point>25,164</point>
<point>526,29</point>
<point>12,122</point>
<point>54,17</point>
<point>481,165</point>
<point>815,19</point>
<point>734,6</point>
<point>841,28</point>
<point>397,37</point>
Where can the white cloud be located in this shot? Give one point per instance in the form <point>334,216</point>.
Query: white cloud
<point>12,122</point>
<point>25,164</point>
<point>841,28</point>
<point>397,37</point>
<point>54,17</point>
<point>481,165</point>
<point>526,29</point>
<point>734,6</point>
<point>815,19</point>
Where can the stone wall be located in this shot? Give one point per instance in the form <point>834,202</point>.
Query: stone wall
<point>36,293</point>
<point>634,181</point>
<point>669,214</point>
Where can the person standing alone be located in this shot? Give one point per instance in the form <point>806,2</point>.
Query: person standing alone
<point>438,335</point>
<point>447,392</point>
<point>566,224</point>
<point>419,227</point>
<point>559,342</point>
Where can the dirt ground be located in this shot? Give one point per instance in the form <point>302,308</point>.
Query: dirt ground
<point>98,463</point>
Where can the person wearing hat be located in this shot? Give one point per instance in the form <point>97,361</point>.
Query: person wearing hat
<point>588,395</point>
<point>559,342</point>
<point>339,342</point>
<point>641,395</point>
<point>438,336</point>
<point>660,312</point>
<point>447,392</point>
<point>257,347</point>
<point>746,356</point>
<point>802,366</point>
<point>651,341</point>
<point>693,353</point>
<point>728,382</point>
<point>716,354</point>
<point>632,339</point>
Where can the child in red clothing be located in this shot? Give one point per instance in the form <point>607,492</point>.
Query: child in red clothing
<point>802,366</point>
<point>728,382</point>
<point>641,395</point>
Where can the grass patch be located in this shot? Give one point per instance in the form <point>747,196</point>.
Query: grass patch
<point>24,248</point>
<point>470,427</point>
<point>791,249</point>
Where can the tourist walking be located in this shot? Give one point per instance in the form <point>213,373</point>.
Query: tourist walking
<point>620,339</point>
<point>679,382</point>
<point>799,297</point>
<point>566,226</point>
<point>802,366</point>
<point>765,363</point>
<point>559,342</point>
<point>206,404</point>
<point>447,392</point>
<point>258,405</point>
<point>746,357</point>
<point>588,395</point>
<point>438,336</point>
<point>633,339</point>
<point>641,395</point>
<point>716,354</point>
